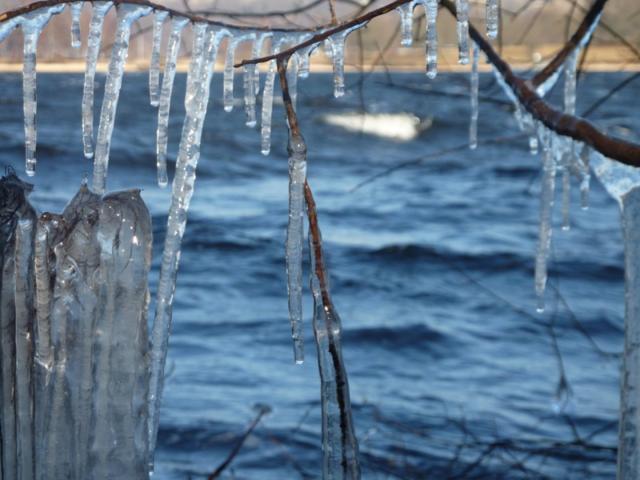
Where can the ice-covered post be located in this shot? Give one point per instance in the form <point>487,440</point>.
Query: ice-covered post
<point>623,184</point>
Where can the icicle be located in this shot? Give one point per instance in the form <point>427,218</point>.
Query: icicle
<point>94,40</point>
<point>585,177</point>
<point>267,108</point>
<point>546,206</point>
<point>462,10</point>
<point>154,67</point>
<point>25,316</point>
<point>473,127</point>
<point>251,81</point>
<point>339,443</point>
<point>292,79</point>
<point>431,12</point>
<point>570,160</point>
<point>337,57</point>
<point>305,54</point>
<point>406,23</point>
<point>196,99</point>
<point>493,14</point>
<point>76,10</point>
<point>32,25</point>
<point>162,133</point>
<point>295,235</point>
<point>127,14</point>
<point>229,70</point>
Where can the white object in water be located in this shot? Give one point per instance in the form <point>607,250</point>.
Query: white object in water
<point>397,126</point>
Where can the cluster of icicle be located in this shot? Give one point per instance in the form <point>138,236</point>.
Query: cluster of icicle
<point>560,155</point>
<point>206,41</point>
<point>74,369</point>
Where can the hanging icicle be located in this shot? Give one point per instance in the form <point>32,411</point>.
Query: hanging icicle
<point>162,132</point>
<point>94,41</point>
<point>431,12</point>
<point>295,237</point>
<point>76,10</point>
<point>570,159</point>
<point>336,43</point>
<point>462,27</point>
<point>267,97</point>
<point>547,189</point>
<point>229,70</point>
<point>251,81</point>
<point>406,23</point>
<point>32,24</point>
<point>473,126</point>
<point>127,14</point>
<point>205,47</point>
<point>493,18</point>
<point>154,67</point>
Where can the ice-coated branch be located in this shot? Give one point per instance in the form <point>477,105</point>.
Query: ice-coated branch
<point>339,441</point>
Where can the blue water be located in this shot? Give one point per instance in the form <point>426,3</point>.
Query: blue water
<point>452,373</point>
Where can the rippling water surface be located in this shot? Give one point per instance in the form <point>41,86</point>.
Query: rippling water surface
<point>453,374</point>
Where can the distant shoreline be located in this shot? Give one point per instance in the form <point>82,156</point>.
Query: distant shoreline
<point>132,67</point>
<point>600,58</point>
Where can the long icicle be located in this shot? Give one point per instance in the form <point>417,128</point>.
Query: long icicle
<point>570,160</point>
<point>473,126</point>
<point>251,81</point>
<point>162,132</point>
<point>431,11</point>
<point>267,100</point>
<point>94,41</point>
<point>127,14</point>
<point>492,18</point>
<point>205,48</point>
<point>154,67</point>
<point>546,209</point>
<point>462,27</point>
<point>337,57</point>
<point>406,23</point>
<point>229,70</point>
<point>295,238</point>
<point>32,25</point>
<point>339,442</point>
<point>76,10</point>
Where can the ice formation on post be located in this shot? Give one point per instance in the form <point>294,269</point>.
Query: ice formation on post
<point>549,144</point>
<point>493,18</point>
<point>76,10</point>
<point>16,316</point>
<point>154,66</point>
<point>94,41</point>
<point>339,442</point>
<point>406,23</point>
<point>162,132</point>
<point>205,47</point>
<point>295,239</point>
<point>462,26</point>
<point>622,182</point>
<point>475,81</point>
<point>127,14</point>
<point>32,24</point>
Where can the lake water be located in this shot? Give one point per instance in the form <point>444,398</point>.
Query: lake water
<point>452,373</point>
